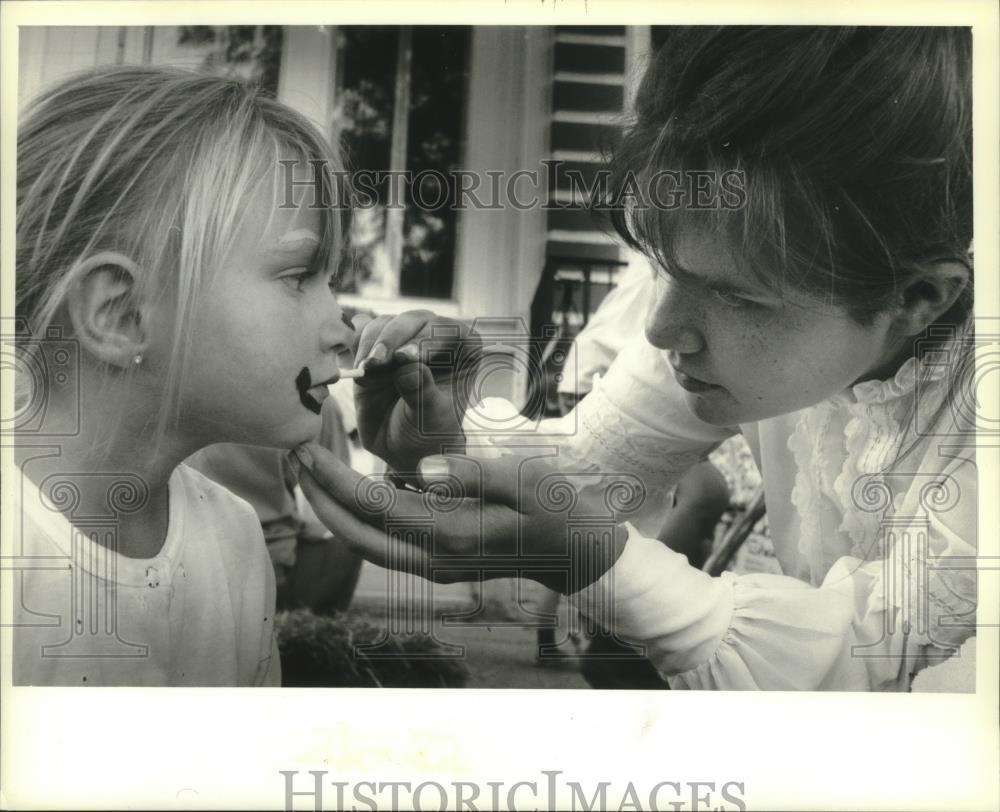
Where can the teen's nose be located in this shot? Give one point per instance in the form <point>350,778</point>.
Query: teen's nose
<point>672,322</point>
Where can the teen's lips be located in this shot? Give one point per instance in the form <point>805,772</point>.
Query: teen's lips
<point>692,384</point>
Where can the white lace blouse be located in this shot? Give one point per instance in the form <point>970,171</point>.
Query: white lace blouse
<point>877,547</point>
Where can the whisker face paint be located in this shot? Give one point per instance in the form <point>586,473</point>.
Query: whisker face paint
<point>303,383</point>
<point>311,395</point>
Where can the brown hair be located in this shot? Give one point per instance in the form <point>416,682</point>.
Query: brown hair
<point>855,145</point>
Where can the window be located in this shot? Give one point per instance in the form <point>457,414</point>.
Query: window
<point>400,108</point>
<point>48,54</point>
<point>475,98</point>
<point>250,51</point>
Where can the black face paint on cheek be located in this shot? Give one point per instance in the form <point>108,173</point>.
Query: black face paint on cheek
<point>303,381</point>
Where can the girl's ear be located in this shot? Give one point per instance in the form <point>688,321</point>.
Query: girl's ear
<point>104,309</point>
<point>930,295</point>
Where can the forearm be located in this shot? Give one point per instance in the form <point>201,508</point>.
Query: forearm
<point>768,632</point>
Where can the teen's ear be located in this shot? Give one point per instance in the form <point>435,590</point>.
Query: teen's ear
<point>930,295</point>
<point>104,309</point>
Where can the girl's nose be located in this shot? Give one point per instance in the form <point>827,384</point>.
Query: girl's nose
<point>338,332</point>
<point>672,320</point>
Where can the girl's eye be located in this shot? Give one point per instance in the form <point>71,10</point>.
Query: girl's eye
<point>298,278</point>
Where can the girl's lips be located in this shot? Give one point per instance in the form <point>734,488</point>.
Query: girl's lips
<point>318,394</point>
<point>312,395</point>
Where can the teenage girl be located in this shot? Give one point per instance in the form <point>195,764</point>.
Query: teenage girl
<point>823,308</point>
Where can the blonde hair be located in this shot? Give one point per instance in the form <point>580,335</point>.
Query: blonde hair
<point>156,163</point>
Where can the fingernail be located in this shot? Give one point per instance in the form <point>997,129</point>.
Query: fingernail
<point>432,468</point>
<point>304,456</point>
<point>410,352</point>
<point>293,463</point>
<point>378,353</point>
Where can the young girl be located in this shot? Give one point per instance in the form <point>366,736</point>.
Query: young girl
<point>826,316</point>
<point>173,286</point>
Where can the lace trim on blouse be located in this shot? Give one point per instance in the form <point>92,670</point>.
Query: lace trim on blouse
<point>865,427</point>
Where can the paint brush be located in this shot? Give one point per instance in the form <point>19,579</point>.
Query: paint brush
<point>359,372</point>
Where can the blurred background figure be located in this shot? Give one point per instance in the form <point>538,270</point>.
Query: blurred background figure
<point>311,569</point>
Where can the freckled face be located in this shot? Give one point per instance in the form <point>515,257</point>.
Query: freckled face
<point>266,315</point>
<point>743,353</point>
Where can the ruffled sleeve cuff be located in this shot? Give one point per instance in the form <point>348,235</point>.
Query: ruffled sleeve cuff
<point>748,632</point>
<point>776,638</point>
<point>787,635</point>
<point>653,599</point>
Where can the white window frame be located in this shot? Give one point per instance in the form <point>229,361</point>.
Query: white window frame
<point>498,254</point>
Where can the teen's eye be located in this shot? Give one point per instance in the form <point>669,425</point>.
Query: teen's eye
<point>297,277</point>
<point>730,299</point>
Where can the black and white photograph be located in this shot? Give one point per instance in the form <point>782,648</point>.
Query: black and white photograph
<point>561,366</point>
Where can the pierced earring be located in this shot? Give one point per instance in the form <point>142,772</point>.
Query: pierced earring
<point>137,359</point>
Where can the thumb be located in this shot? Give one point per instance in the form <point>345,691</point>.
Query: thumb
<point>501,480</point>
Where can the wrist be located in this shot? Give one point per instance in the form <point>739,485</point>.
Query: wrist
<point>592,556</point>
